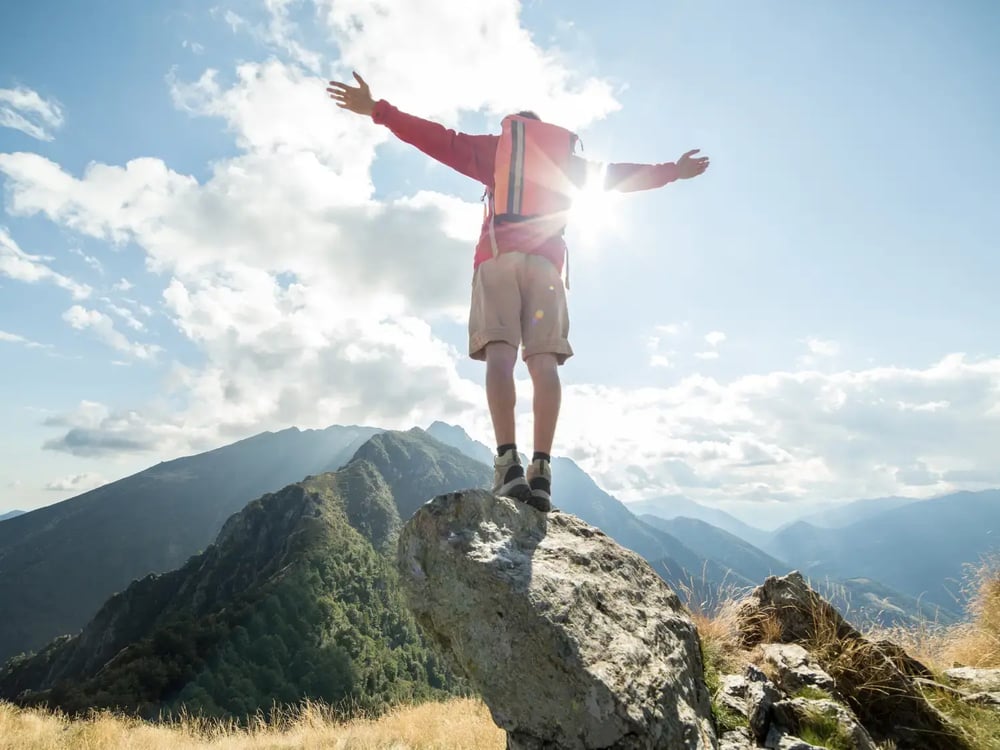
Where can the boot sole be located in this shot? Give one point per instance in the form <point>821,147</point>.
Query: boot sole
<point>518,489</point>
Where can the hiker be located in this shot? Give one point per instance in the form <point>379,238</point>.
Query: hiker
<point>518,298</point>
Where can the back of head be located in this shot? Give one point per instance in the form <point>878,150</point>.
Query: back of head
<point>529,114</point>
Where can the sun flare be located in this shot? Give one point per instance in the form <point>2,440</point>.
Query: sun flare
<point>594,212</point>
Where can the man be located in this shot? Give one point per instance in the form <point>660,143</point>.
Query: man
<point>518,296</point>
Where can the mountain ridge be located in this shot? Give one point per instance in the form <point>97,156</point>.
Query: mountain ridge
<point>306,571</point>
<point>82,550</point>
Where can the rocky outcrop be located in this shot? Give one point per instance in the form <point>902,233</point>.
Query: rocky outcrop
<point>875,681</point>
<point>571,640</point>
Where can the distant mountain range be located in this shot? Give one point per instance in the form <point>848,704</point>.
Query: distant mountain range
<point>852,512</point>
<point>11,514</point>
<point>919,548</point>
<point>678,506</point>
<point>861,600</point>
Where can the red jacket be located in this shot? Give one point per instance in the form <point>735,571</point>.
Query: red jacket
<point>473,156</point>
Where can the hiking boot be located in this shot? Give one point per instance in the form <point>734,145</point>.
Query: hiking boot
<point>540,483</point>
<point>508,476</point>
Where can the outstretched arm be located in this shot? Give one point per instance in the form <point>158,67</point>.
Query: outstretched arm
<point>472,155</point>
<point>626,177</point>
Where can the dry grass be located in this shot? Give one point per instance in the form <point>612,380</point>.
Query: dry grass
<point>455,725</point>
<point>974,643</point>
<point>977,644</point>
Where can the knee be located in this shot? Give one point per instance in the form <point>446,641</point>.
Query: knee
<point>500,357</point>
<point>543,366</point>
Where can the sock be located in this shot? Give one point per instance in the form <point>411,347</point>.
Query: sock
<point>543,456</point>
<point>501,449</point>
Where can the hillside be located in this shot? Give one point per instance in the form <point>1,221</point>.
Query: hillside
<point>83,550</point>
<point>11,514</point>
<point>297,598</point>
<point>727,549</point>
<point>677,506</point>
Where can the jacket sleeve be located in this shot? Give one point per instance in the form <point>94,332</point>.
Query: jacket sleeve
<point>629,178</point>
<point>472,155</point>
<point>623,176</point>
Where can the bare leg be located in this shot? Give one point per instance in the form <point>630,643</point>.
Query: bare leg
<point>544,371</point>
<point>501,394</point>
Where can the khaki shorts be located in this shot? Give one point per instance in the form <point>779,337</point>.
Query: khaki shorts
<point>519,297</point>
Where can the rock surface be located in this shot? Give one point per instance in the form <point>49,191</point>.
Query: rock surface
<point>795,669</point>
<point>971,678</point>
<point>571,640</point>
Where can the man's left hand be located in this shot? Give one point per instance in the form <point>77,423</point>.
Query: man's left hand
<point>688,167</point>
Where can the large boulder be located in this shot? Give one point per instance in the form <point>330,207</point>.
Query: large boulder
<point>572,640</point>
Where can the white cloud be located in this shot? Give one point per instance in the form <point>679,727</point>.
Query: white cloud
<point>714,338</point>
<point>660,360</point>
<point>657,343</point>
<point>823,347</point>
<point>820,352</point>
<point>77,483</point>
<point>790,436</point>
<point>123,285</point>
<point>92,429</point>
<point>27,111</point>
<point>672,329</point>
<point>81,319</point>
<point>233,19</point>
<point>90,260</point>
<point>19,265</point>
<point>127,316</point>
<point>139,306</point>
<point>281,31</point>
<point>14,338</point>
<point>436,57</point>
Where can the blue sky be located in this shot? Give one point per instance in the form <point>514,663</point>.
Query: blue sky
<point>196,246</point>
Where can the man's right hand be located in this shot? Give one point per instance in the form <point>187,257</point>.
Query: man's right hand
<point>355,98</point>
<point>688,167</point>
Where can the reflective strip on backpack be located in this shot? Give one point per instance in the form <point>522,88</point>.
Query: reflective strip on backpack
<point>515,185</point>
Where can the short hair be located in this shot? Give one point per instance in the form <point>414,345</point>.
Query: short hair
<point>529,114</point>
